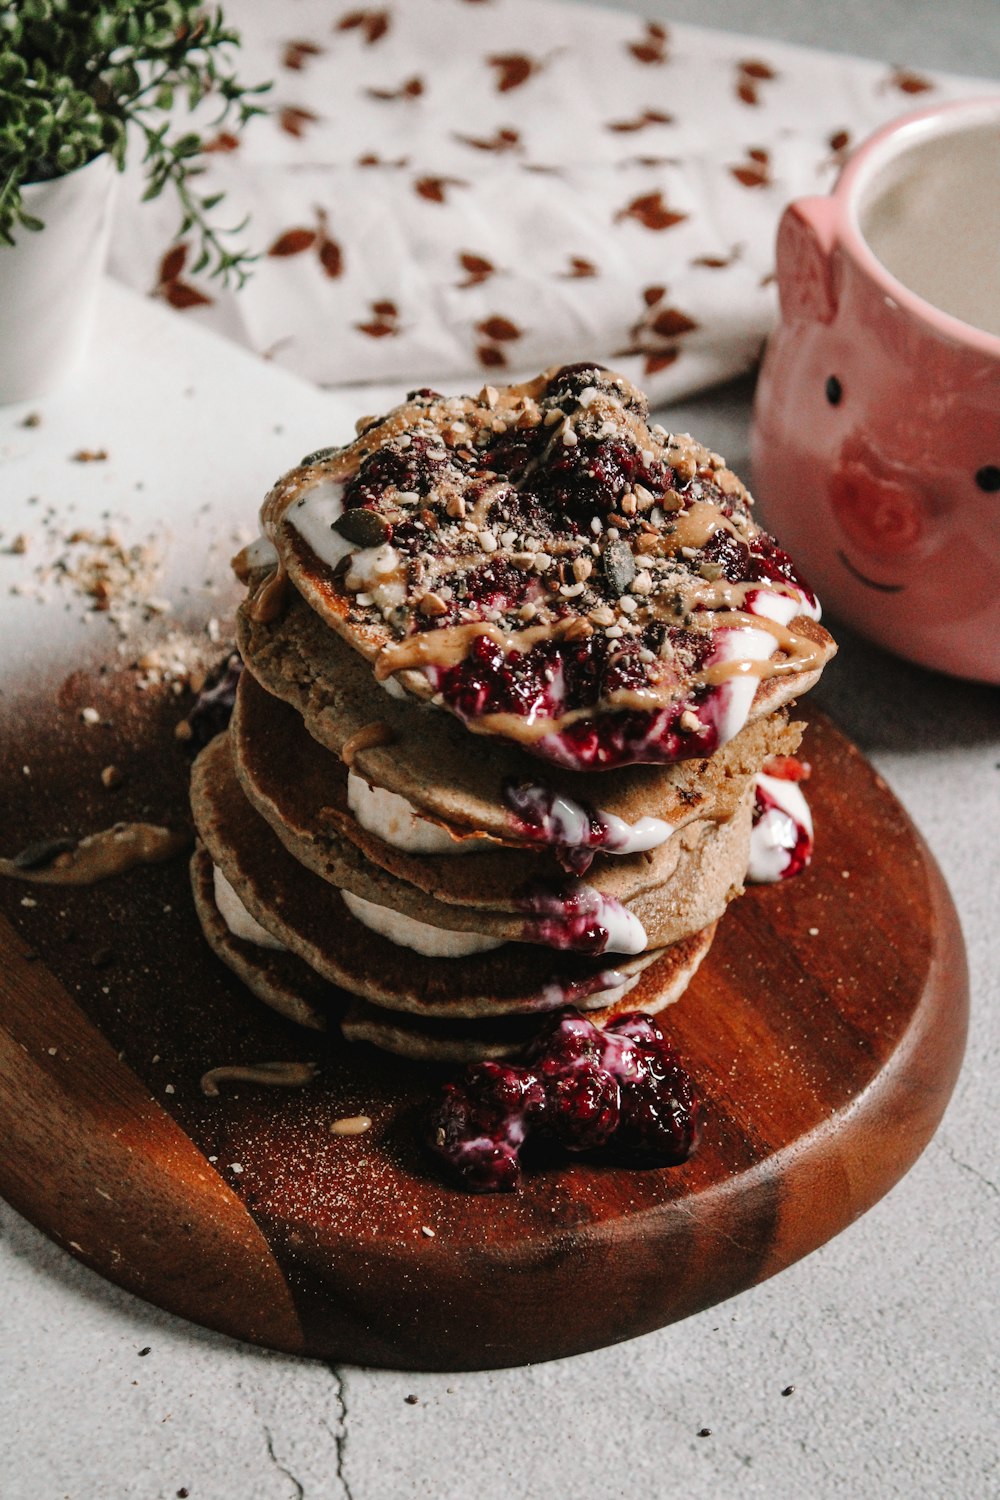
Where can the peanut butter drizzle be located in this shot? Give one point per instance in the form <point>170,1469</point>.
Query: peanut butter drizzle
<point>697,525</point>
<point>448,647</point>
<point>99,856</point>
<point>283,1074</point>
<point>270,599</point>
<point>366,738</point>
<point>801,654</point>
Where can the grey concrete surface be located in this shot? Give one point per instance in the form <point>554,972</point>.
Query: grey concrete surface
<point>889,1334</point>
<point>962,37</point>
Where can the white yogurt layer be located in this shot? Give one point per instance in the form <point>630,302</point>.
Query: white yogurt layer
<point>236,917</point>
<point>396,821</point>
<point>261,553</point>
<point>736,694</point>
<point>432,942</point>
<point>776,832</point>
<point>782,607</point>
<point>626,933</point>
<point>313,515</point>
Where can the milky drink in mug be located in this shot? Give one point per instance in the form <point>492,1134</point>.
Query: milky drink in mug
<point>876,441</point>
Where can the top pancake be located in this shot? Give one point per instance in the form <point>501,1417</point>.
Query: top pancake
<point>430,760</point>
<point>549,568</point>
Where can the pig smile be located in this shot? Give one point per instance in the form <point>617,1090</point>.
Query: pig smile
<point>872,583</point>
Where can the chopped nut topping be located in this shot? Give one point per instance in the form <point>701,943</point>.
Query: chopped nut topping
<point>350,1125</point>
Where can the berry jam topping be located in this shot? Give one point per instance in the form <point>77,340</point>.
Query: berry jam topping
<point>548,567</point>
<point>575,830</point>
<point>781,842</point>
<point>621,1091</point>
<point>578,917</point>
<point>213,706</point>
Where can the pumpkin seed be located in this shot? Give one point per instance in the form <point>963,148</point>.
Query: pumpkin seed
<point>320,456</point>
<point>365,528</point>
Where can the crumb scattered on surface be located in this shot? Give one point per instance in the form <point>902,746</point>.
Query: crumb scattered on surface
<point>90,456</point>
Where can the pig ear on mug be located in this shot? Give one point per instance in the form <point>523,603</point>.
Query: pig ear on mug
<point>806,263</point>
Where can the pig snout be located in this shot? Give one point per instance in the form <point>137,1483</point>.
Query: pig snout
<point>880,512</point>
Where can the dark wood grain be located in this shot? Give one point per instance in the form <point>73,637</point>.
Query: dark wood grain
<point>826,1030</point>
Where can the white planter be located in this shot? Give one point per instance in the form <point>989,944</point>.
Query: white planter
<point>49,279</point>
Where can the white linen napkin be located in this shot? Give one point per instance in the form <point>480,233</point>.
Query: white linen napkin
<point>449,190</point>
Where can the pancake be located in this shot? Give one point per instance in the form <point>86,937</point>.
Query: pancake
<point>301,790</point>
<point>424,1040</point>
<point>308,916</point>
<point>280,979</point>
<point>708,865</point>
<point>432,762</point>
<point>550,569</point>
<point>288,985</point>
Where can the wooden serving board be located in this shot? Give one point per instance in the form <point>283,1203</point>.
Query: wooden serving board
<point>825,1029</point>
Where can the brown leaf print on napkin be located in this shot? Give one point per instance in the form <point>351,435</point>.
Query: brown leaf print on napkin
<point>435,189</point>
<point>293,120</point>
<point>755,172</point>
<point>293,242</point>
<point>384,321</point>
<point>169,286</point>
<point>579,268</point>
<point>651,161</point>
<point>908,82</point>
<point>654,334</point>
<point>412,88</point>
<point>640,122</point>
<point>298,240</point>
<point>718,262</point>
<point>513,69</point>
<point>840,148</point>
<point>297,54</point>
<point>495,331</point>
<point>477,269</point>
<point>651,211</point>
<point>750,74</point>
<point>373,24</point>
<point>372,159</point>
<point>505,139</point>
<point>653,47</point>
<point>224,141</point>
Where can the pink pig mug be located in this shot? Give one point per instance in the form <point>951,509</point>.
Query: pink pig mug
<point>876,437</point>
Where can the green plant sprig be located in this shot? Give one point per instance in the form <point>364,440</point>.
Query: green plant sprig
<point>76,74</point>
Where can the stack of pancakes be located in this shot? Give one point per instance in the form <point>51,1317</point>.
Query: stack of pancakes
<point>458,789</point>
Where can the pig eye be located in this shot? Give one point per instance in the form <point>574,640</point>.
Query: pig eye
<point>834,391</point>
<point>988,478</point>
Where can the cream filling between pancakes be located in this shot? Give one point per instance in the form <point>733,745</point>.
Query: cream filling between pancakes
<point>407,932</point>
<point>396,822</point>
<point>557,821</point>
<point>236,917</point>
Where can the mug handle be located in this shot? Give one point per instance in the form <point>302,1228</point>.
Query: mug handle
<point>806,264</point>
